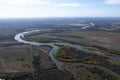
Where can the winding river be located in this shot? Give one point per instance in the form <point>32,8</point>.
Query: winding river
<point>20,38</point>
<point>60,65</point>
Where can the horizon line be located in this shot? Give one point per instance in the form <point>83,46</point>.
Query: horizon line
<point>63,17</point>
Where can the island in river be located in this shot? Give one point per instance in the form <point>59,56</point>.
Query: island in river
<point>70,49</point>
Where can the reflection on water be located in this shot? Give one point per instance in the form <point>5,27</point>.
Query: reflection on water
<point>19,37</point>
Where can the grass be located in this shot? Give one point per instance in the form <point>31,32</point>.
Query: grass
<point>81,73</point>
<point>69,54</point>
<point>18,59</point>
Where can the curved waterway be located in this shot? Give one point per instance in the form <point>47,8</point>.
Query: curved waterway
<point>20,38</point>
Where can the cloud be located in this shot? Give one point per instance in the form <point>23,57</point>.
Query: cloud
<point>43,2</point>
<point>24,2</point>
<point>112,1</point>
<point>71,4</point>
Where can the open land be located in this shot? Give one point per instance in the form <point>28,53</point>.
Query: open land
<point>20,61</point>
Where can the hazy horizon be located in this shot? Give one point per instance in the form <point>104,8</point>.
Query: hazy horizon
<point>53,17</point>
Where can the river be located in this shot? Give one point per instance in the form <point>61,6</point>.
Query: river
<point>60,65</point>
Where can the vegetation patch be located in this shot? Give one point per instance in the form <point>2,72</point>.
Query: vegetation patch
<point>70,54</point>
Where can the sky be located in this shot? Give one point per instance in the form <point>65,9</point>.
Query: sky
<point>59,8</point>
